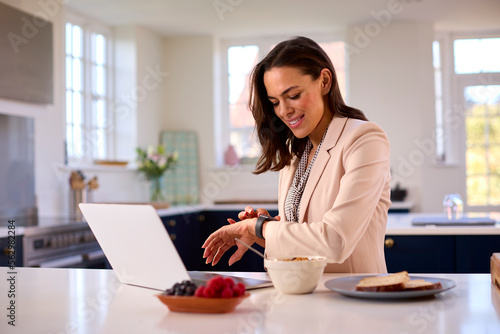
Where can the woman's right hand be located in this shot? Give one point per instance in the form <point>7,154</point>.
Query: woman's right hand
<point>249,212</point>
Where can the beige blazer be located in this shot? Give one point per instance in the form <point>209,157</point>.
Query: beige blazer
<point>343,210</point>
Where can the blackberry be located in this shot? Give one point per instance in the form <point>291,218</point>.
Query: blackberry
<point>190,289</point>
<point>185,288</point>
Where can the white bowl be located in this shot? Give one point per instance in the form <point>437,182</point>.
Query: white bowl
<point>295,277</point>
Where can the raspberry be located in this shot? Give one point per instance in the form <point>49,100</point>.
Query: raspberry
<point>200,292</point>
<point>209,292</point>
<point>239,290</point>
<point>229,282</point>
<point>215,283</point>
<point>227,293</point>
<point>224,285</point>
<point>220,287</point>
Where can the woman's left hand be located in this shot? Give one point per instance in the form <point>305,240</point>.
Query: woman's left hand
<point>224,238</point>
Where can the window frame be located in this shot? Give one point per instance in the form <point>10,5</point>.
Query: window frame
<point>89,27</point>
<point>452,90</point>
<point>222,118</point>
<point>461,82</point>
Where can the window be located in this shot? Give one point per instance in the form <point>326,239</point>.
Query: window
<point>238,62</point>
<point>478,55</point>
<point>482,155</point>
<point>438,87</point>
<point>473,113</point>
<point>88,134</point>
<point>241,60</point>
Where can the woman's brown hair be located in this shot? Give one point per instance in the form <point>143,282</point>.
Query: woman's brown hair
<point>279,144</point>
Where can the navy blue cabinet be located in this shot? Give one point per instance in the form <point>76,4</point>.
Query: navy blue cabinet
<point>474,252</point>
<point>189,231</point>
<point>184,230</point>
<point>420,254</point>
<point>440,253</point>
<point>5,252</point>
<point>249,262</point>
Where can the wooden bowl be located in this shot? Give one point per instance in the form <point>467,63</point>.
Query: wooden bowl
<point>200,304</point>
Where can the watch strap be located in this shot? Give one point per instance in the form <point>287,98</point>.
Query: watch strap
<point>260,223</point>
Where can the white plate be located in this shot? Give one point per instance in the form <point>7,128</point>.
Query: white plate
<point>347,287</point>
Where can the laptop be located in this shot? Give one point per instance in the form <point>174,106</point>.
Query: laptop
<point>139,248</point>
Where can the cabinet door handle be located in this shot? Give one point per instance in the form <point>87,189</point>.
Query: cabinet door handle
<point>171,223</point>
<point>389,242</point>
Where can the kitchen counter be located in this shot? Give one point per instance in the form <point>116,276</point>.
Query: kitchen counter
<point>93,301</point>
<point>400,224</point>
<point>187,209</point>
<point>397,223</point>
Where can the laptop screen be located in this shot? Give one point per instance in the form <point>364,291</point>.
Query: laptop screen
<point>136,244</point>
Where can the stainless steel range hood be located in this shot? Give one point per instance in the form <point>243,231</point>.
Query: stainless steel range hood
<point>17,171</point>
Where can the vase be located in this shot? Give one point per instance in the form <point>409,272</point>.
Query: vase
<point>157,189</point>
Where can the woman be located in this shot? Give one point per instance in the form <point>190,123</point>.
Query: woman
<point>334,184</point>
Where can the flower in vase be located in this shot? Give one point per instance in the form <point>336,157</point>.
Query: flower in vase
<point>153,163</point>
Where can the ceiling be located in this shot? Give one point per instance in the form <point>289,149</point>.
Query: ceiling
<point>239,18</point>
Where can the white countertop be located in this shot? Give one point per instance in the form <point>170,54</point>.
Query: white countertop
<point>400,224</point>
<point>93,301</point>
<point>183,209</point>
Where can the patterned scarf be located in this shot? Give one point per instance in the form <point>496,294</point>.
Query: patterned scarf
<point>292,201</point>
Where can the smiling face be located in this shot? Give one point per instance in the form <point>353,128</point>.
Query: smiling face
<point>299,100</point>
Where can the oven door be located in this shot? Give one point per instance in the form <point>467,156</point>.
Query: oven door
<point>94,259</point>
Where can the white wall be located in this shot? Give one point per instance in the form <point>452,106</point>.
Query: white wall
<point>189,104</point>
<point>391,79</point>
<point>125,109</point>
<point>151,77</point>
<point>188,92</point>
<point>139,85</point>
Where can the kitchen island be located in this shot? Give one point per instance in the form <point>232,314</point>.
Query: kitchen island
<point>93,301</point>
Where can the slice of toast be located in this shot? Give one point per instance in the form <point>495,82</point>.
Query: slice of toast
<point>391,282</point>
<point>421,284</point>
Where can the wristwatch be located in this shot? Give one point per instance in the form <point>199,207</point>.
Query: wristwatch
<point>260,222</point>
